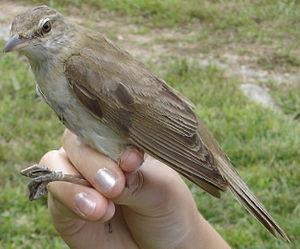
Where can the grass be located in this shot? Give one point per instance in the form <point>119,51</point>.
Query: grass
<point>264,145</point>
<point>27,129</point>
<point>242,20</point>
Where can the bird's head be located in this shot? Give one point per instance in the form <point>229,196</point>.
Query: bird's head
<point>38,33</point>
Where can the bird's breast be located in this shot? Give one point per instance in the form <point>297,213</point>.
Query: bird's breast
<point>57,93</point>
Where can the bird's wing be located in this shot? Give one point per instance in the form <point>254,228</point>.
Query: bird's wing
<point>125,95</point>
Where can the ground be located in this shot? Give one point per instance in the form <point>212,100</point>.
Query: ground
<point>211,52</point>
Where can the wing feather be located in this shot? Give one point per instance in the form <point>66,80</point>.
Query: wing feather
<point>142,107</point>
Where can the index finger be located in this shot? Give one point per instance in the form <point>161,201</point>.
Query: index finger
<point>103,173</point>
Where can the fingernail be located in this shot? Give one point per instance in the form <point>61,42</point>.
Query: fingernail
<point>134,181</point>
<point>105,179</point>
<point>132,156</point>
<point>85,204</point>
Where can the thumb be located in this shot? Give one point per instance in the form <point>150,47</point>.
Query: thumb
<point>148,187</point>
<point>130,162</point>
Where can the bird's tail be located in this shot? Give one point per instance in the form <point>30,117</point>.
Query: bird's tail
<point>247,198</point>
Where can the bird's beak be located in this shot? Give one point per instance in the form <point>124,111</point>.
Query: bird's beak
<point>15,42</point>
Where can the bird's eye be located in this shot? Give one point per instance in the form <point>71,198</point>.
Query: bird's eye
<point>46,27</point>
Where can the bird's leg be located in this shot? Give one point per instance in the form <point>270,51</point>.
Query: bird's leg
<point>41,176</point>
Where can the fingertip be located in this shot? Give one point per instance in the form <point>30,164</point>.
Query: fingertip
<point>131,159</point>
<point>90,206</point>
<point>110,211</point>
<point>58,161</point>
<point>49,156</point>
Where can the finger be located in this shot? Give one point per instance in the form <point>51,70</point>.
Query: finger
<point>68,225</point>
<point>131,159</point>
<point>110,211</point>
<point>153,187</point>
<point>84,201</point>
<point>103,173</point>
<point>56,160</point>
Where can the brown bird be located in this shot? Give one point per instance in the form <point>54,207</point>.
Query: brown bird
<point>110,100</point>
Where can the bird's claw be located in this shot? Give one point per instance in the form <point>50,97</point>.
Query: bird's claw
<point>35,170</point>
<point>41,176</point>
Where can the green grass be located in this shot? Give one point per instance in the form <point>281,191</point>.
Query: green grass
<point>27,129</point>
<point>264,145</point>
<point>241,20</point>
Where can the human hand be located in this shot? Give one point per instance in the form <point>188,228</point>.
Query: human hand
<point>155,210</point>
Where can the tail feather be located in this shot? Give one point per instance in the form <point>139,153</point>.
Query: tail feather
<point>248,200</point>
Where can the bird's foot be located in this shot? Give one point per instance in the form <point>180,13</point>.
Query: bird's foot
<point>41,176</point>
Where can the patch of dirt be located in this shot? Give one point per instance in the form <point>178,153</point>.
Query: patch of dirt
<point>154,45</point>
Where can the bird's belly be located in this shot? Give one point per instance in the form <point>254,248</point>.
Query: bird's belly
<point>79,120</point>
<point>94,132</point>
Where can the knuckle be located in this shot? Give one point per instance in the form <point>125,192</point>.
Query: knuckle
<point>48,156</point>
<point>131,159</point>
<point>135,182</point>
